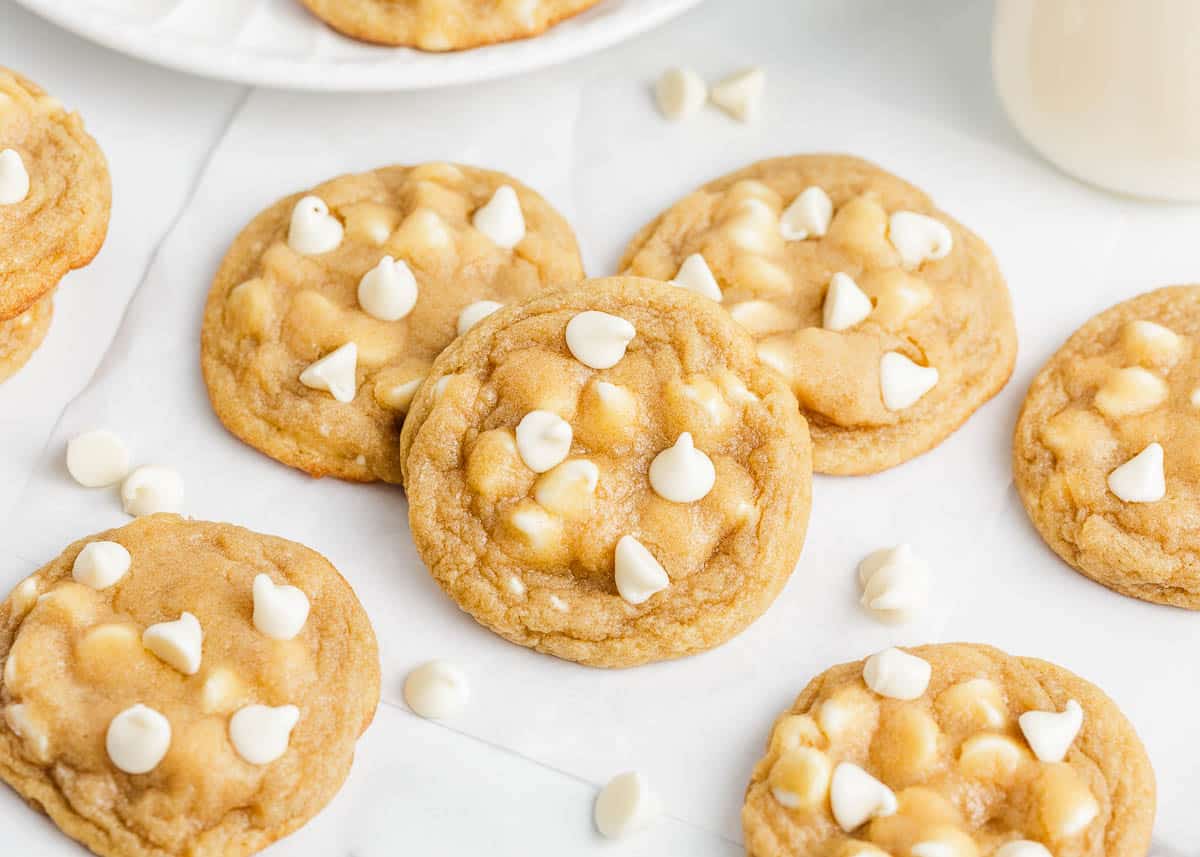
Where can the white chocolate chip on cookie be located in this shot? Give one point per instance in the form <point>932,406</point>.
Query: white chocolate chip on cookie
<point>856,797</point>
<point>21,721</point>
<point>599,340</point>
<point>680,92</point>
<point>695,276</point>
<point>260,733</point>
<point>388,291</point>
<point>625,806</point>
<point>436,690</point>
<point>97,458</point>
<point>896,674</point>
<point>474,313</point>
<point>543,440</point>
<point>14,179</point>
<point>177,643</point>
<point>682,473</point>
<point>137,739</point>
<point>918,238</point>
<point>799,779</point>
<point>280,611</point>
<point>762,317</point>
<point>1141,479</point>
<point>1051,733</point>
<point>568,488</point>
<point>501,219</point>
<point>336,373</point>
<point>313,230</point>
<point>741,94</point>
<point>638,574</point>
<point>1130,391</point>
<point>902,382</point>
<point>1150,343</point>
<point>808,216</point>
<point>1022,848</point>
<point>101,564</point>
<point>845,304</point>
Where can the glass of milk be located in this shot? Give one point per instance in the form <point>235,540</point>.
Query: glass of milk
<point>1108,90</point>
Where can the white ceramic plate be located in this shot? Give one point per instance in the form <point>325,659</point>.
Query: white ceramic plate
<point>278,43</point>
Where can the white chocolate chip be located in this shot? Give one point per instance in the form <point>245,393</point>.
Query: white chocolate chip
<point>177,643</point>
<point>101,564</point>
<point>1130,391</point>
<point>895,583</point>
<point>313,229</point>
<point>598,340</point>
<point>543,440</point>
<point>398,397</point>
<point>388,291</point>
<point>682,473</point>
<point>515,586</point>
<point>932,848</point>
<point>280,611</point>
<point>260,733</point>
<point>151,489</point>
<point>741,94</point>
<point>441,384</point>
<point>1150,342</point>
<point>474,313</point>
<point>902,382</point>
<point>680,92</point>
<point>436,690</point>
<point>97,458</point>
<point>845,303</point>
<point>137,739</point>
<point>918,238</point>
<point>23,725</point>
<point>24,595</point>
<point>625,806</point>
<point>566,488</point>
<point>1051,733</point>
<point>897,675</point>
<point>220,689</point>
<point>1141,479</point>
<point>14,180</point>
<point>695,276</point>
<point>762,317</point>
<point>336,373</point>
<point>1195,398</point>
<point>638,574</point>
<point>856,797</point>
<point>808,216</point>
<point>501,219</point>
<point>1022,848</point>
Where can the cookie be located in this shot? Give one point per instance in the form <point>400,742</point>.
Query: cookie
<point>1106,454</point>
<point>443,25</point>
<point>606,473</point>
<point>179,687</point>
<point>331,306</point>
<point>889,319</point>
<point>954,750</point>
<point>54,205</point>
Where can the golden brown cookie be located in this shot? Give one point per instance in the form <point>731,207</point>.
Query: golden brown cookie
<point>608,474</point>
<point>985,754</point>
<point>1106,454</point>
<point>444,25</point>
<point>218,732</point>
<point>857,288</point>
<point>388,260</point>
<point>54,205</point>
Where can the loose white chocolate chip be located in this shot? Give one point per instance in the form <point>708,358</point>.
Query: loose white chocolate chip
<point>388,291</point>
<point>598,340</point>
<point>313,229</point>
<point>101,564</point>
<point>808,216</point>
<point>638,574</point>
<point>903,382</point>
<point>97,458</point>
<point>895,583</point>
<point>1141,479</point>
<point>260,733</point>
<point>177,643</point>
<point>1051,733</point>
<point>918,238</point>
<point>1022,848</point>
<point>857,797</point>
<point>23,725</point>
<point>436,690</point>
<point>474,313</point>
<point>680,92</point>
<point>897,674</point>
<point>14,180</point>
<point>741,94</point>
<point>845,304</point>
<point>1130,391</point>
<point>137,739</point>
<point>543,440</point>
<point>682,473</point>
<point>501,219</point>
<point>336,373</point>
<point>280,611</point>
<point>695,276</point>
<point>567,488</point>
<point>625,806</point>
<point>151,489</point>
<point>799,779</point>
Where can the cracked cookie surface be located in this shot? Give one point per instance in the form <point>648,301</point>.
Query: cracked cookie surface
<point>947,309</point>
<point>273,310</point>
<point>73,658</point>
<point>1127,379</point>
<point>536,556</point>
<point>963,779</point>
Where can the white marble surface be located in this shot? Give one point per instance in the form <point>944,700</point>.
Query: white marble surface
<point>904,83</point>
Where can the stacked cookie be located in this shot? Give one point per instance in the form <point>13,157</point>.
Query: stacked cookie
<point>54,207</point>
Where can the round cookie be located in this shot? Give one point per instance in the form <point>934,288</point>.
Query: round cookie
<point>137,739</point>
<point>955,764</point>
<point>607,474</point>
<point>1106,454</point>
<point>20,336</point>
<point>443,25</point>
<point>854,285</point>
<point>275,310</point>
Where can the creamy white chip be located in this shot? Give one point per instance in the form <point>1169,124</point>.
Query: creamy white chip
<point>501,219</point>
<point>260,733</point>
<point>680,92</point>
<point>1142,478</point>
<point>599,340</point>
<point>1051,733</point>
<point>474,313</point>
<point>741,94</point>
<point>543,440</point>
<point>437,690</point>
<point>151,489</point>
<point>897,674</point>
<point>695,276</point>
<point>388,291</point>
<point>336,373</point>
<point>625,806</point>
<point>280,611</point>
<point>808,216</point>
<point>137,739</point>
<point>895,583</point>
<point>856,797</point>
<point>101,564</point>
<point>177,643</point>
<point>313,230</point>
<point>902,383</point>
<point>97,458</point>
<point>845,304</point>
<point>682,473</point>
<point>638,574</point>
<point>918,238</point>
<point>14,179</point>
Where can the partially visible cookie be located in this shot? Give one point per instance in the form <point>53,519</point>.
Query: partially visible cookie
<point>953,750</point>
<point>889,319</point>
<point>175,687</point>
<point>444,25</point>
<point>330,307</point>
<point>1106,453</point>
<point>54,205</point>
<point>608,474</point>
